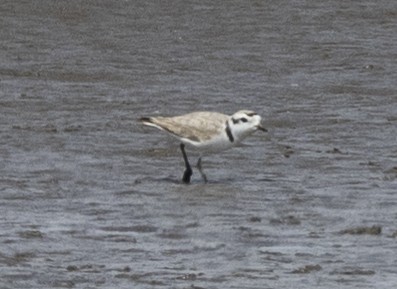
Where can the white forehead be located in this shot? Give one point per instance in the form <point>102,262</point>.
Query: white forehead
<point>245,113</point>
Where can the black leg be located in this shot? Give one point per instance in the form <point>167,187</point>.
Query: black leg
<point>188,172</point>
<point>200,168</point>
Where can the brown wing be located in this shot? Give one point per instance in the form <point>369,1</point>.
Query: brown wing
<point>196,126</point>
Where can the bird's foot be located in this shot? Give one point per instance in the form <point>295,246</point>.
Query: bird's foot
<point>186,175</point>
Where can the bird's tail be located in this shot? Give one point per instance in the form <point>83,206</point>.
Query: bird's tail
<point>149,121</point>
<point>146,120</point>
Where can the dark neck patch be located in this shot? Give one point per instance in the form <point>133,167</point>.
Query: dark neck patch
<point>229,132</point>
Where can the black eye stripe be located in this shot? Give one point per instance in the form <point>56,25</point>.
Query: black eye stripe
<point>243,119</point>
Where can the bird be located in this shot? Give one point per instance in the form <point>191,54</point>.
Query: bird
<point>206,131</point>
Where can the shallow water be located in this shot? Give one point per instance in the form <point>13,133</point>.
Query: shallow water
<point>91,199</point>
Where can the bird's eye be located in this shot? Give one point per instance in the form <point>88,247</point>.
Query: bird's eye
<point>244,119</point>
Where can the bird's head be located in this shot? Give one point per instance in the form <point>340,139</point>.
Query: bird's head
<point>245,122</point>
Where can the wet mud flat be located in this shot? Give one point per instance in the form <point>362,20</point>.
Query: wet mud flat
<point>91,199</point>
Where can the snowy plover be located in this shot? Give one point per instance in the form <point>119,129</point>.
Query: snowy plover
<point>207,131</point>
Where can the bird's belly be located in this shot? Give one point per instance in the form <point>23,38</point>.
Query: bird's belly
<point>212,145</point>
